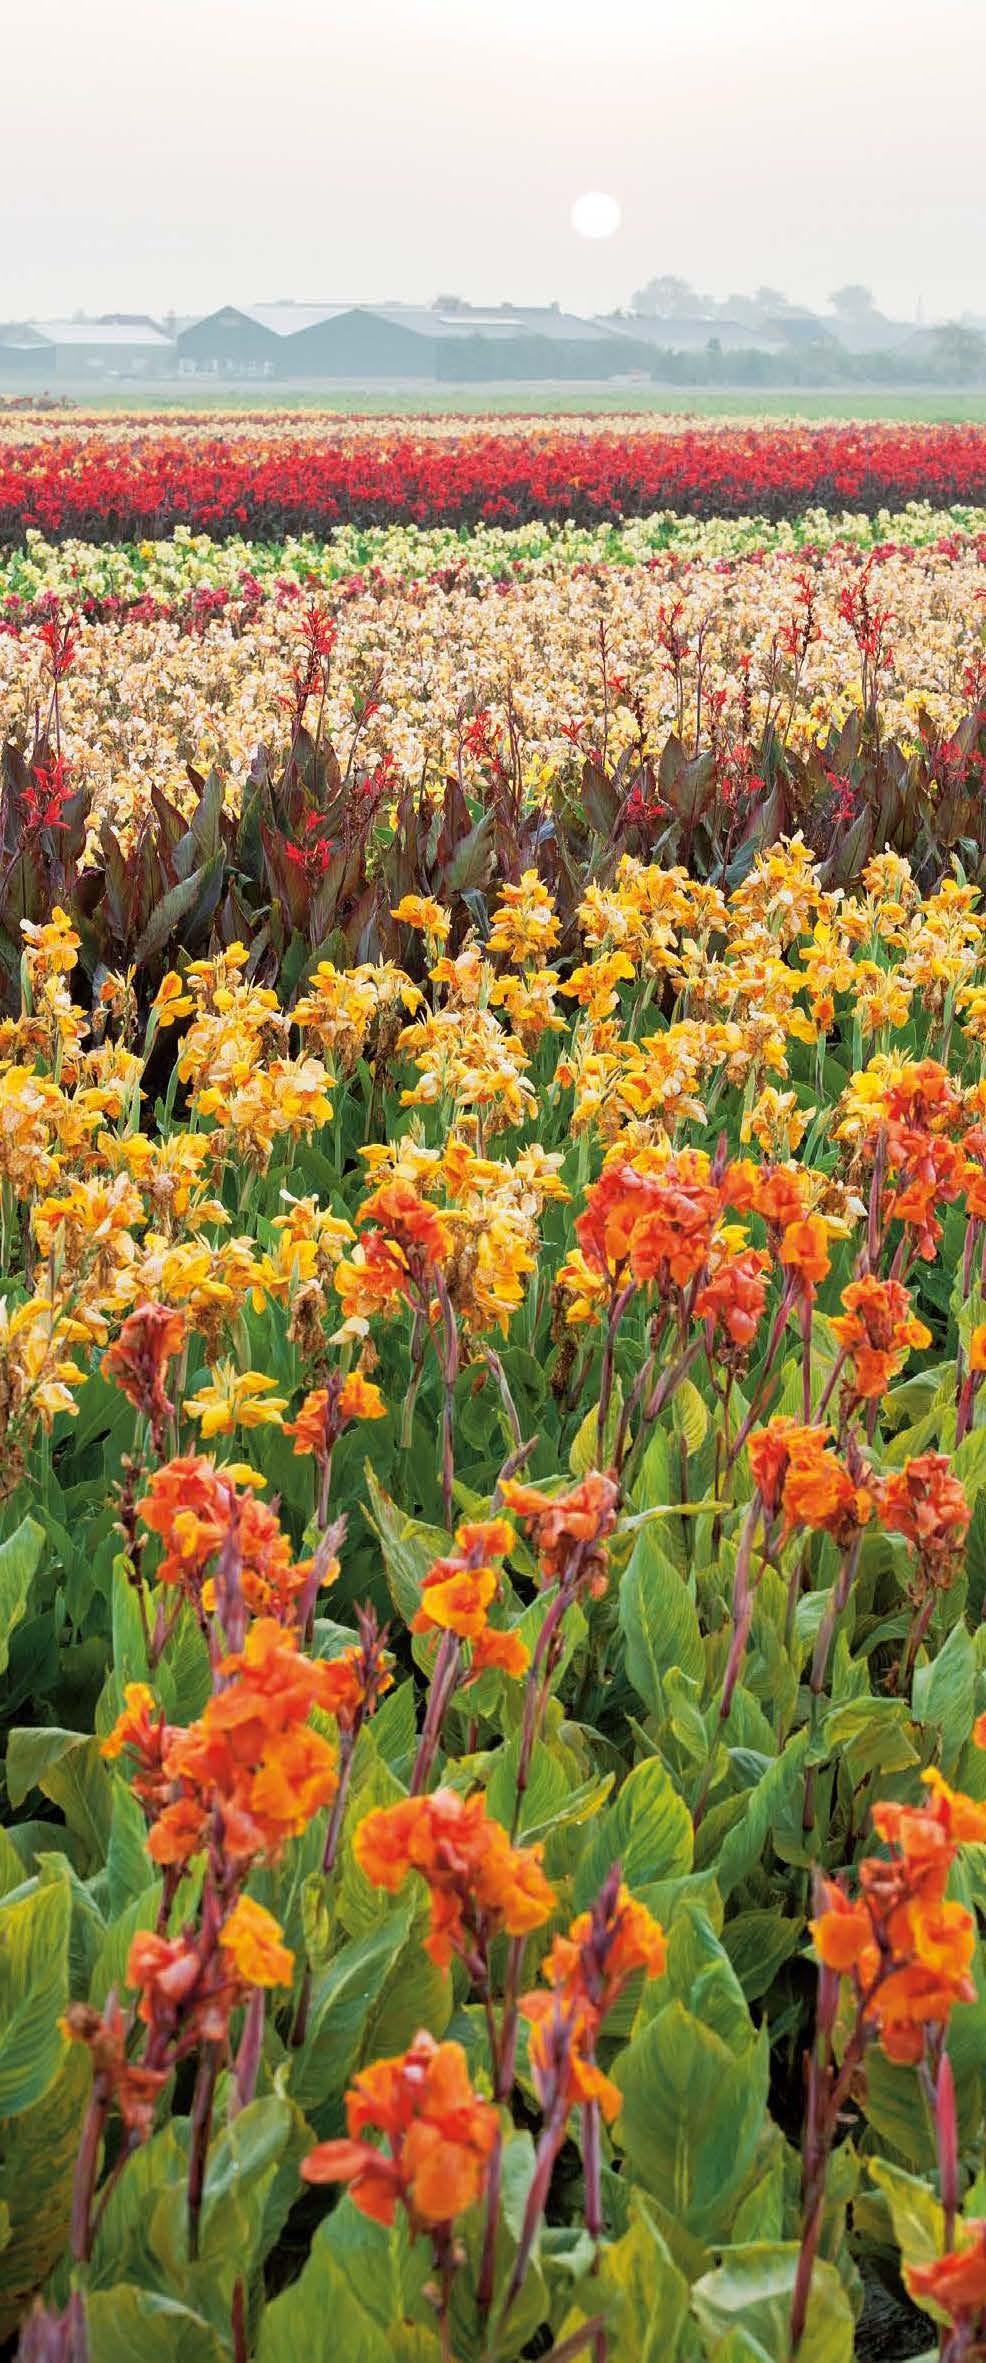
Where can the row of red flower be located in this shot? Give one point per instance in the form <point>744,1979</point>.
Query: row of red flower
<point>101,485</point>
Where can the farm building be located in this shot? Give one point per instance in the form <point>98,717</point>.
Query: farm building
<point>75,350</point>
<point>410,342</point>
<point>24,356</point>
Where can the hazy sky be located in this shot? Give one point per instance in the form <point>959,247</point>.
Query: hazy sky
<point>192,152</point>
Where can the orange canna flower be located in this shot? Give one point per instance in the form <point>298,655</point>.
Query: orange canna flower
<point>804,1251</point>
<point>733,1299</point>
<point>771,1450</point>
<point>479,1882</point>
<point>499,1653</point>
<point>877,1331</point>
<point>326,1411</point>
<point>587,1971</point>
<point>440,2138</point>
<point>955,2282</point>
<point>819,1492</point>
<point>253,1940</point>
<point>251,1757</point>
<point>456,1592</point>
<point>929,1506</point>
<point>907,1948</point>
<point>150,1337</point>
<point>569,1529</point>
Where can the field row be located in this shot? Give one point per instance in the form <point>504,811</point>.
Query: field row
<point>105,483</point>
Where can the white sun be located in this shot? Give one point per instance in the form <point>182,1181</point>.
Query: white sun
<point>596,215</point>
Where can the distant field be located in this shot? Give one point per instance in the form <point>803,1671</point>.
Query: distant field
<point>537,400</point>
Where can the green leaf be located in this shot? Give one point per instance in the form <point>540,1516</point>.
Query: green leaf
<point>641,2292</point>
<point>34,1935</point>
<point>68,1768</point>
<point>19,1557</point>
<point>758,1944</point>
<point>944,1693</point>
<point>585,1453</point>
<point>370,2000</point>
<point>408,1547</point>
<point>647,1830</point>
<point>693,2112</point>
<point>744,1844</point>
<point>918,2217</point>
<point>126,2322</point>
<point>37,2162</point>
<point>322,2318</point>
<point>752,2290</point>
<point>690,1414</point>
<point>659,1620</point>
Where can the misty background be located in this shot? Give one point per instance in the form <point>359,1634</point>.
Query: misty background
<point>183,154</point>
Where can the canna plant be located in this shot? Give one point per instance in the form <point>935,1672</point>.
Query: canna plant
<point>493,1519</point>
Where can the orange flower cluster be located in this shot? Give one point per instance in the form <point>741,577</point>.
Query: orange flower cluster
<point>930,1507</point>
<point>150,1337</point>
<point>197,1509</point>
<point>907,1949</point>
<point>327,1410</point>
<point>587,1971</point>
<point>352,1684</point>
<point>135,2088</point>
<point>250,1770</point>
<point>479,1883</point>
<point>877,1331</point>
<point>569,1529</point>
<point>651,1227</point>
<point>439,2136</point>
<point>457,1592</point>
<point>188,1988</point>
<point>394,1260</point>
<point>794,1469</point>
<point>733,1299</point>
<point>922,1108</point>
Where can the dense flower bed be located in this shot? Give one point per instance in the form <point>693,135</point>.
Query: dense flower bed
<point>105,482</point>
<point>182,654</point>
<point>491,1580</point>
<point>492,1434</point>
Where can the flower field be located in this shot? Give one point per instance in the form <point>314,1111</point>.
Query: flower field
<point>492,1405</point>
<point>291,474</point>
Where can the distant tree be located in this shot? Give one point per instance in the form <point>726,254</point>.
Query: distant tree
<point>852,302</point>
<point>960,352</point>
<point>667,298</point>
<point>450,303</point>
<point>770,299</point>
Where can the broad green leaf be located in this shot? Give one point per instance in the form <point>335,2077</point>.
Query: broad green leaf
<point>408,1547</point>
<point>322,2318</point>
<point>585,1453</point>
<point>690,1414</point>
<point>34,1934</point>
<point>944,1693</point>
<point>19,1557</point>
<point>68,1768</point>
<point>370,2000</point>
<point>647,1830</point>
<point>641,2292</point>
<point>752,2290</point>
<point>124,2323</point>
<point>918,2217</point>
<point>743,1845</point>
<point>758,1944</point>
<point>692,2115</point>
<point>659,1620</point>
<point>37,2162</point>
